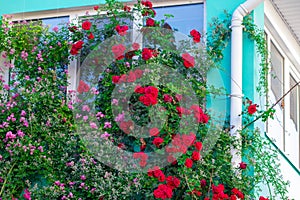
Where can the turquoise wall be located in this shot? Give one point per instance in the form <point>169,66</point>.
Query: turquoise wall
<point>216,8</point>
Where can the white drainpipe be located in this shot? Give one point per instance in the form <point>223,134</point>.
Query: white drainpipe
<point>236,70</point>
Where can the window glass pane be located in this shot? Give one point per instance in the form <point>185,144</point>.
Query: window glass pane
<point>186,17</point>
<point>293,101</point>
<point>55,21</point>
<point>277,61</point>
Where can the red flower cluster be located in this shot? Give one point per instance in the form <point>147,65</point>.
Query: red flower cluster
<point>252,109</point>
<point>86,25</point>
<point>147,4</point>
<point>156,173</point>
<point>131,77</point>
<point>121,29</point>
<point>163,192</point>
<point>237,193</point>
<point>82,87</point>
<point>118,51</point>
<point>218,192</point>
<point>126,126</point>
<point>147,53</point>
<point>126,8</point>
<point>199,115</point>
<point>172,182</point>
<point>180,143</point>
<point>143,158</point>
<point>188,60</point>
<point>196,35</point>
<point>76,47</point>
<point>150,95</point>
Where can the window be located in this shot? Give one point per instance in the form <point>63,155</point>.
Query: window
<point>186,17</point>
<point>55,21</point>
<point>294,104</point>
<point>277,67</point>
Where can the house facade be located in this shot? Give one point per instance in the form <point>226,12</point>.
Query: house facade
<point>277,18</point>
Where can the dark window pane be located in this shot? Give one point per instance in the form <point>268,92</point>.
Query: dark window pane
<point>293,101</point>
<point>277,65</point>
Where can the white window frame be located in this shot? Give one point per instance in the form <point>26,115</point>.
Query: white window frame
<point>281,36</point>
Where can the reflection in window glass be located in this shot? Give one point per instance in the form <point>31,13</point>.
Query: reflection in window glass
<point>277,64</point>
<point>186,17</point>
<point>293,101</point>
<point>55,21</point>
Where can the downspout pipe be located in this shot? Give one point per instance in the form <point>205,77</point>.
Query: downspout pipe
<point>236,70</point>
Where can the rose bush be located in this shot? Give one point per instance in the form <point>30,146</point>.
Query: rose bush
<point>43,157</point>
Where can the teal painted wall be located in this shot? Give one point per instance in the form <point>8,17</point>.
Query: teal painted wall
<point>216,8</point>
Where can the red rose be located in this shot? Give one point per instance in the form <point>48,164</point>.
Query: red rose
<point>252,109</point>
<point>178,97</point>
<point>163,192</point>
<point>188,60</point>
<point>168,98</point>
<point>196,35</point>
<point>143,163</point>
<point>238,193</point>
<point>146,54</point>
<point>72,29</point>
<point>196,156</point>
<point>126,126</point>
<point>86,25</point>
<point>131,77</point>
<point>172,182</point>
<point>203,182</point>
<point>201,118</point>
<point>135,46</point>
<point>118,51</point>
<point>233,197</point>
<point>196,192</point>
<point>121,29</point>
<point>188,163</point>
<point>243,165</point>
<point>123,78</point>
<point>74,51</point>
<point>82,87</point>
<point>121,146</point>
<point>96,8</point>
<point>148,100</point>
<point>158,141</point>
<point>152,91</point>
<point>154,131</point>
<point>150,22</point>
<point>171,159</point>
<point>198,146</point>
<point>139,89</point>
<point>138,73</point>
<point>115,79</point>
<point>147,4</point>
<point>91,36</point>
<point>126,8</point>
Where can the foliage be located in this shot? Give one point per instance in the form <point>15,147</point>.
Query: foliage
<point>44,156</point>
